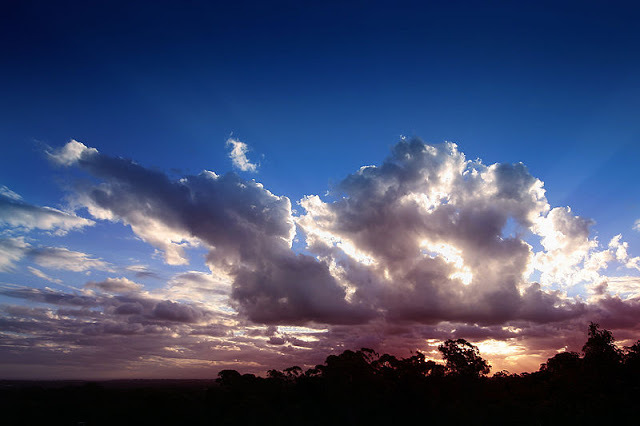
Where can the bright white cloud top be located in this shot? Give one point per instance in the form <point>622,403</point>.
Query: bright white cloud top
<point>398,256</point>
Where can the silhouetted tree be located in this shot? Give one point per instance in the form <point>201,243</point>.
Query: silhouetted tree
<point>463,359</point>
<point>292,373</point>
<point>502,374</point>
<point>228,378</point>
<point>632,358</point>
<point>359,387</point>
<point>562,364</point>
<point>417,366</point>
<point>276,375</point>
<point>600,351</point>
<point>349,366</point>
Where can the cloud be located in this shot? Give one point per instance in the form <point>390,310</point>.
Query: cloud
<point>84,334</point>
<point>38,273</point>
<point>63,258</point>
<point>9,194</point>
<point>569,255</point>
<point>127,300</point>
<point>14,249</point>
<point>129,308</point>
<point>294,290</point>
<point>420,238</point>
<point>16,213</point>
<point>108,327</point>
<point>115,285</point>
<point>238,155</point>
<point>426,246</point>
<point>11,251</point>
<point>247,229</point>
<point>71,153</point>
<point>636,225</point>
<point>223,211</point>
<point>173,311</point>
<point>625,287</point>
<point>205,287</point>
<point>48,296</point>
<point>273,340</point>
<point>142,271</point>
<point>618,250</point>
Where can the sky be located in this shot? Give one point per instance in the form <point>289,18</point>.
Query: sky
<point>193,186</point>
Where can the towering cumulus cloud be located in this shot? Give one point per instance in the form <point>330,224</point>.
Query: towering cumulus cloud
<point>422,238</point>
<point>426,246</point>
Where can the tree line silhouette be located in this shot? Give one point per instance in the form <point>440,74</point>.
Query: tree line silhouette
<point>602,384</point>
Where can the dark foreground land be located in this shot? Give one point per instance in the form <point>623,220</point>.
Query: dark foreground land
<point>602,386</point>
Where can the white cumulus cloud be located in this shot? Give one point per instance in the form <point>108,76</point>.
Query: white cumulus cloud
<point>70,153</point>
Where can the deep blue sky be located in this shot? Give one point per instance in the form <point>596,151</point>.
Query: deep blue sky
<point>317,90</point>
<point>320,88</point>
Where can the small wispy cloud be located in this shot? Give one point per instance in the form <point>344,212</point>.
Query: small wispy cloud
<point>11,251</point>
<point>65,259</point>
<point>38,273</point>
<point>238,155</point>
<point>6,192</point>
<point>115,285</point>
<point>636,225</point>
<point>16,213</point>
